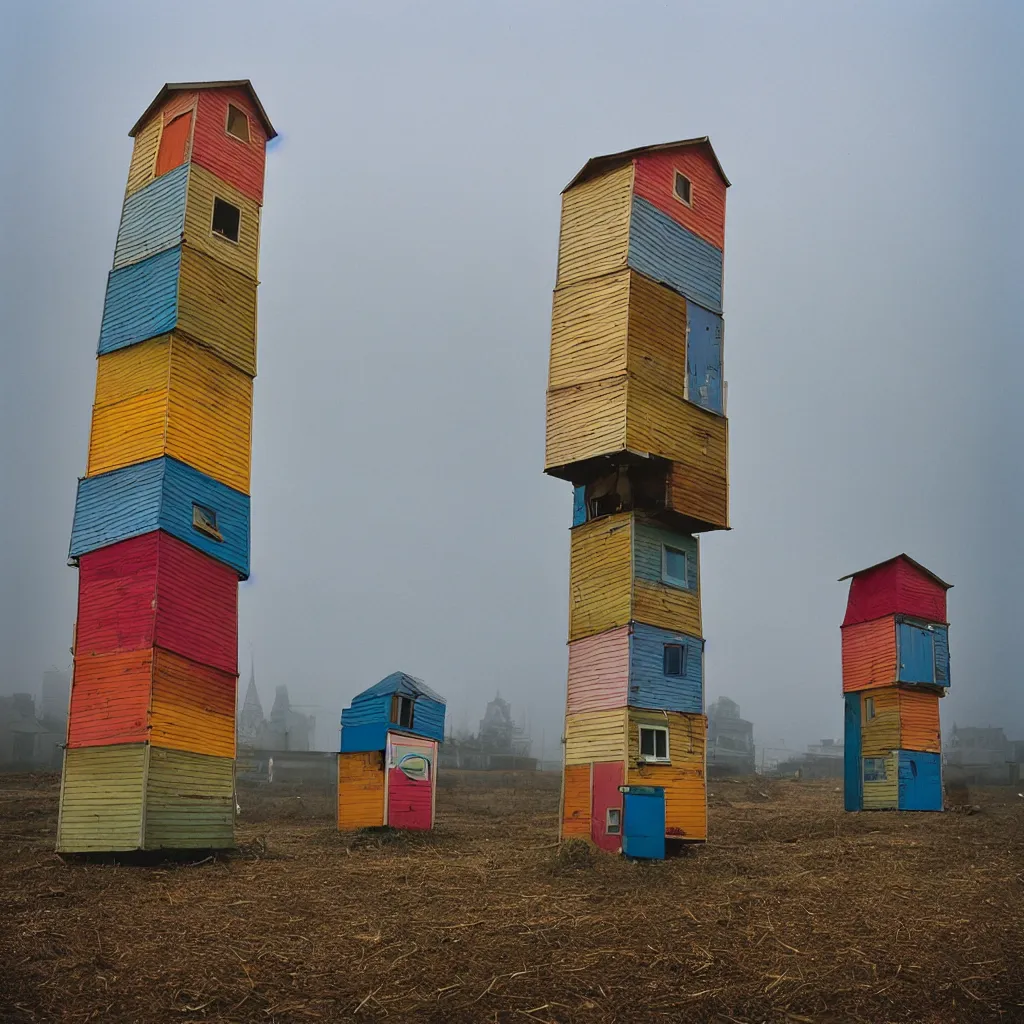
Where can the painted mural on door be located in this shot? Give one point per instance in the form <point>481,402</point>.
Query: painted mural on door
<point>704,358</point>
<point>411,764</point>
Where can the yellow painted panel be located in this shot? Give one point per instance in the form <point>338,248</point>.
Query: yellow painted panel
<point>242,255</point>
<point>594,237</point>
<point>595,736</point>
<point>667,607</point>
<point>883,796</point>
<point>217,308</point>
<point>101,799</point>
<point>588,331</point>
<point>190,801</point>
<point>657,335</point>
<point>600,575</point>
<point>687,736</point>
<point>360,790</point>
<point>585,420</point>
<point>880,734</point>
<point>179,400</point>
<point>147,142</point>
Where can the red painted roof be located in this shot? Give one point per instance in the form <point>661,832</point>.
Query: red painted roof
<point>897,586</point>
<point>917,565</point>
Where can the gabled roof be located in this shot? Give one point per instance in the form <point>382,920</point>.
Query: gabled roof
<point>599,164</point>
<point>401,682</point>
<point>237,83</point>
<point>917,565</point>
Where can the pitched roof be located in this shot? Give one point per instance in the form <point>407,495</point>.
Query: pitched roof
<point>401,682</point>
<point>917,565</point>
<point>599,164</point>
<point>237,83</point>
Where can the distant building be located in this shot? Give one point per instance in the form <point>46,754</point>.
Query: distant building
<point>500,744</point>
<point>286,729</point>
<point>26,741</point>
<point>825,748</point>
<point>730,740</point>
<point>982,754</point>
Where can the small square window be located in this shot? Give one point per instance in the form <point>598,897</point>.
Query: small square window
<point>874,769</point>
<point>653,743</point>
<point>237,123</point>
<point>227,219</point>
<point>673,566</point>
<point>613,821</point>
<point>683,189</point>
<point>869,708</point>
<point>402,711</point>
<point>205,521</point>
<point>675,660</point>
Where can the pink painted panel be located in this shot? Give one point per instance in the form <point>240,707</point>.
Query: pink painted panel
<point>412,764</point>
<point>608,776</point>
<point>599,671</point>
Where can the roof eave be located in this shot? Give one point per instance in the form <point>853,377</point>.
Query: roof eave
<point>235,83</point>
<point>895,558</point>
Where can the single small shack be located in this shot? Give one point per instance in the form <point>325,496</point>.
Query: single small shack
<point>387,768</point>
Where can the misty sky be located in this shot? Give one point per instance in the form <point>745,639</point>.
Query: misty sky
<point>400,517</point>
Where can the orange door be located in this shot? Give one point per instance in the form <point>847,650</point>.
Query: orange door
<point>173,144</point>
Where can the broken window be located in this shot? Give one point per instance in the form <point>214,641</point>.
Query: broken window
<point>205,521</point>
<point>401,710</point>
<point>237,123</point>
<point>613,821</point>
<point>874,769</point>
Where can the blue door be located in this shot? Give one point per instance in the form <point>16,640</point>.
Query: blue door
<point>920,781</point>
<point>853,778</point>
<point>704,358</point>
<point>917,654</point>
<point>643,831</point>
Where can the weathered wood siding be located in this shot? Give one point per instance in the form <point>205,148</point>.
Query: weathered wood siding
<point>110,696</point>
<point>649,687</point>
<point>190,801</point>
<point>919,721</point>
<point>159,495</point>
<point>883,795</point>
<point>141,301</point>
<point>101,799</point>
<point>360,790</point>
<point>147,140</point>
<point>656,602</point>
<point>869,655</point>
<point>576,802</point>
<point>599,672</point>
<point>600,576</point>
<point>594,236</point>
<point>243,255</point>
<point>589,331</point>
<point>153,218</point>
<point>238,163</point>
<point>192,706</point>
<point>657,336</point>
<point>595,736</point>
<point>895,588</point>
<point>584,421</point>
<point>167,396</point>
<point>881,734</point>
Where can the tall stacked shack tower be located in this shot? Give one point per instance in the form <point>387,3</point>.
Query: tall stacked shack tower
<point>161,528</point>
<point>636,422</point>
<point>895,669</point>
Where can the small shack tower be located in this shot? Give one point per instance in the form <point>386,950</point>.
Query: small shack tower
<point>895,669</point>
<point>636,422</point>
<point>161,527</point>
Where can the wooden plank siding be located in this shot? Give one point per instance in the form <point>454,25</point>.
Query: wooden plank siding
<point>168,396</point>
<point>595,736</point>
<point>110,696</point>
<point>576,802</point>
<point>240,164</point>
<point>147,140</point>
<point>360,789</point>
<point>880,734</point>
<point>919,721</point>
<point>599,672</point>
<point>153,218</point>
<point>883,795</point>
<point>190,801</point>
<point>243,255</point>
<point>869,655</point>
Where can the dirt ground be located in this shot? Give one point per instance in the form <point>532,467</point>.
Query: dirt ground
<point>795,911</point>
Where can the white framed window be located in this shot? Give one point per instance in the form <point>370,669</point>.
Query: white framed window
<point>237,124</point>
<point>227,219</point>
<point>205,521</point>
<point>653,743</point>
<point>682,189</point>
<point>869,708</point>
<point>613,821</point>
<point>674,567</point>
<point>874,769</point>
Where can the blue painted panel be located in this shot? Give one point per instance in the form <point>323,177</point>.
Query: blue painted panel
<point>704,336</point>
<point>643,824</point>
<point>360,738</point>
<point>141,302</point>
<point>920,781</point>
<point>373,709</point>
<point>665,251</point>
<point>647,544</point>
<point>942,677</point>
<point>579,505</point>
<point>159,494</point>
<point>428,719</point>
<point>853,779</point>
<point>916,653</point>
<point>649,687</point>
<point>153,219</point>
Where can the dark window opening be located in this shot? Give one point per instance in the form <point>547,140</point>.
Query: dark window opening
<point>675,660</point>
<point>682,188</point>
<point>227,220</point>
<point>401,710</point>
<point>613,821</point>
<point>624,489</point>
<point>205,521</point>
<point>238,123</point>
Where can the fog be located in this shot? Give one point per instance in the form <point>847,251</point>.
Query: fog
<point>400,517</point>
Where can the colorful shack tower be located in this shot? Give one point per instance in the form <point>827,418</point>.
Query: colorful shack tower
<point>387,768</point>
<point>161,527</point>
<point>895,669</point>
<point>636,422</point>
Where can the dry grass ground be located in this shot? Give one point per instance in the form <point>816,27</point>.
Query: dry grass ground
<point>794,912</point>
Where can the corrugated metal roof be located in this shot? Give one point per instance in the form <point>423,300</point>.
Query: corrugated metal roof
<point>917,565</point>
<point>237,83</point>
<point>402,682</point>
<point>598,164</point>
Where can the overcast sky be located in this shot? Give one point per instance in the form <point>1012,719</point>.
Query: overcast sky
<point>400,517</point>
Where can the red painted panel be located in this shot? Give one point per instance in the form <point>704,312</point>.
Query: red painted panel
<point>173,144</point>
<point>110,699</point>
<point>236,162</point>
<point>408,801</point>
<point>896,588</point>
<point>654,180</point>
<point>607,777</point>
<point>156,590</point>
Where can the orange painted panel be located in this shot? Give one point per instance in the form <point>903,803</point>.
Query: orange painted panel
<point>193,706</point>
<point>110,699</point>
<point>173,144</point>
<point>576,802</point>
<point>360,790</point>
<point>869,655</point>
<point>919,721</point>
